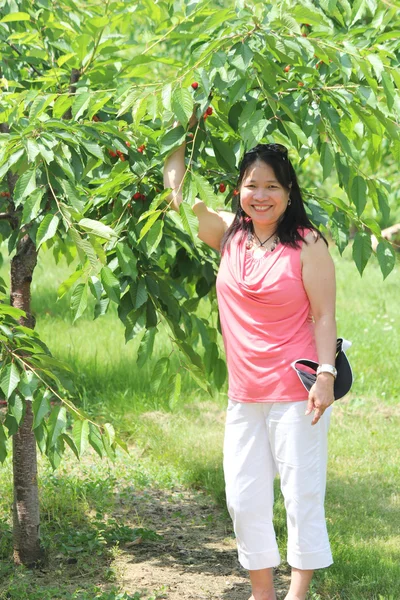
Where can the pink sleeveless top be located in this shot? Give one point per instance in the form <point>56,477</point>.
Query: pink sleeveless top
<point>266,322</point>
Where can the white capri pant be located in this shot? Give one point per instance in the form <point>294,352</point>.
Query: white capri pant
<point>261,440</point>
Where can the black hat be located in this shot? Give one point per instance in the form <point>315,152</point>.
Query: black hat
<point>344,378</point>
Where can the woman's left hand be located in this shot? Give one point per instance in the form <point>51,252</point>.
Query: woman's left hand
<point>320,396</point>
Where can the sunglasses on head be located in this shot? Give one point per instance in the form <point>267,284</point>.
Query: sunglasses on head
<point>271,148</point>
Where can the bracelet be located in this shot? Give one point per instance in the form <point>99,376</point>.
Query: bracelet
<point>325,368</point>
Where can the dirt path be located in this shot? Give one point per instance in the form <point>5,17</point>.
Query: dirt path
<point>195,559</point>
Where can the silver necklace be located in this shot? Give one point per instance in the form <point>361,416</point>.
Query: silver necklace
<point>252,235</point>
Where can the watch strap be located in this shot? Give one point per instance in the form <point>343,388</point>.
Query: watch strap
<point>326,368</point>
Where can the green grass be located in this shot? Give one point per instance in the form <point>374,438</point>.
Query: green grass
<point>181,446</point>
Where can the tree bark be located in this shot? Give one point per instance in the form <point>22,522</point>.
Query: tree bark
<point>26,518</point>
<point>75,75</point>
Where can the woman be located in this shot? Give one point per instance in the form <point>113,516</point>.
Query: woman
<point>276,295</point>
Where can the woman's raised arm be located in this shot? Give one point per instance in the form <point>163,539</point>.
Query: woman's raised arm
<point>212,224</point>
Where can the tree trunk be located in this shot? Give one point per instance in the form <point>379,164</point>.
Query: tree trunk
<point>27,547</point>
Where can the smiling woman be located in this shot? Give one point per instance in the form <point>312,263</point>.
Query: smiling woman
<point>276,297</point>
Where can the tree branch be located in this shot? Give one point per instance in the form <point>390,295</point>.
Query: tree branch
<point>75,75</point>
<point>20,54</point>
<point>11,218</point>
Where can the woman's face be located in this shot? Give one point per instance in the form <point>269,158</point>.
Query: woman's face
<point>262,197</point>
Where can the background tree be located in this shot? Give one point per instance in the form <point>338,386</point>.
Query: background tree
<point>90,92</point>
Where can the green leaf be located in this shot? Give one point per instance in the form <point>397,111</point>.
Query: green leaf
<point>68,283</point>
<point>98,228</point>
<point>151,315</point>
<point>16,407</point>
<point>219,373</point>
<point>32,150</point>
<point>339,230</point>
<point>253,131</point>
<point>327,159</point>
<point>198,376</point>
<point>361,250</point>
<point>359,193</point>
<point>80,104</point>
<point>160,370</point>
<point>80,435</point>
<point>47,229</point>
<point>224,155</point>
<point>56,425</point>
<point>210,356</point>
<point>176,390</point>
<point>386,257</point>
<point>189,220</point>
<point>172,139</point>
<point>205,190</point>
<point>127,260</point>
<point>149,223</point>
<point>3,444</point>
<point>138,293</point>
<point>16,313</point>
<point>10,379</point>
<point>61,105</point>
<point>111,284</point>
<point>146,347</point>
<point>79,300</point>
<point>110,433</point>
<point>93,149</point>
<point>182,105</point>
<point>95,439</point>
<point>384,206</point>
<point>66,438</point>
<point>32,206</point>
<point>189,190</point>
<point>296,134</point>
<point>15,16</point>
<point>41,406</point>
<point>72,196</point>
<point>154,237</point>
<point>41,437</point>
<point>389,89</point>
<point>25,185</point>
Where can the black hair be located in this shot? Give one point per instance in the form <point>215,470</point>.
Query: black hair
<point>294,218</point>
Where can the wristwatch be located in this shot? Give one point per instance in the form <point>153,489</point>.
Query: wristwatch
<point>325,368</point>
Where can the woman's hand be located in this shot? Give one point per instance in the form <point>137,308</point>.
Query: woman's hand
<point>320,396</point>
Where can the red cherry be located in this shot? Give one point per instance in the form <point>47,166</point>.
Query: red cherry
<point>195,85</point>
<point>191,135</point>
<point>136,196</point>
<point>129,205</point>
<point>317,66</point>
<point>304,34</point>
<point>128,144</point>
<point>222,187</point>
<point>205,117</point>
<point>300,84</point>
<point>287,69</point>
<point>236,192</point>
<point>209,111</point>
<point>141,148</point>
<point>96,118</point>
<point>112,153</point>
<point>142,197</point>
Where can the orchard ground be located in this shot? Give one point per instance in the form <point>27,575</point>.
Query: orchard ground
<point>153,524</point>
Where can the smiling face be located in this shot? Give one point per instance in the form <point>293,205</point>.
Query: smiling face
<point>262,197</point>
